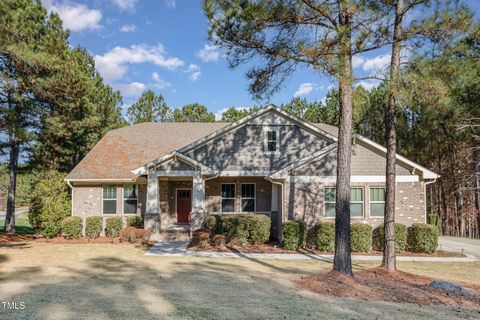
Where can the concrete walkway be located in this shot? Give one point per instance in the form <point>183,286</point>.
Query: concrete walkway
<point>467,246</point>
<point>179,249</point>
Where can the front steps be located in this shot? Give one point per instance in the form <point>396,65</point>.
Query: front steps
<point>175,232</point>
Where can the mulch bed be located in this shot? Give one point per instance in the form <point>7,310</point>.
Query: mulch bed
<point>382,285</point>
<point>275,248</point>
<point>5,238</point>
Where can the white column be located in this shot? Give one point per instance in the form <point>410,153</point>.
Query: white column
<point>274,197</point>
<point>198,202</point>
<point>152,209</point>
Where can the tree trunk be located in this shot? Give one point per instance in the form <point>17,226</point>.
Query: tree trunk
<point>9,227</point>
<point>342,261</point>
<point>389,255</point>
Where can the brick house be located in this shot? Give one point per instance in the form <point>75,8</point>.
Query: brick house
<point>269,162</point>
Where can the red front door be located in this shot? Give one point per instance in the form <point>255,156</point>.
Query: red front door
<point>184,205</point>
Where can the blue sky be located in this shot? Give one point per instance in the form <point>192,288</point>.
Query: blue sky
<point>162,45</point>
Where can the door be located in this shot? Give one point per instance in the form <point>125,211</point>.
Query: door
<point>184,205</point>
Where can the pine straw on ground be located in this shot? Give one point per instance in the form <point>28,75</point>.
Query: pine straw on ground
<point>380,284</point>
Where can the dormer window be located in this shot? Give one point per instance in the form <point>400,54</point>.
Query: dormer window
<point>272,140</point>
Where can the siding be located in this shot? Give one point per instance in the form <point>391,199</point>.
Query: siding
<point>365,162</point>
<point>244,149</point>
<point>174,165</point>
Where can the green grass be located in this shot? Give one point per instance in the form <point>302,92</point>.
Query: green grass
<point>22,226</point>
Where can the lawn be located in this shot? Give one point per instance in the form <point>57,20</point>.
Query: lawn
<point>107,281</point>
<point>22,226</point>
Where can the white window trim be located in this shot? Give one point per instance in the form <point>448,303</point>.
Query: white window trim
<point>254,196</point>
<point>234,198</point>
<point>351,217</point>
<point>116,199</point>
<point>123,199</point>
<point>370,202</point>
<point>277,140</point>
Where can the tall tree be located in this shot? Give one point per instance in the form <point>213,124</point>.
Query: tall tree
<point>149,108</point>
<point>31,43</point>
<point>320,35</point>
<point>234,114</point>
<point>194,112</point>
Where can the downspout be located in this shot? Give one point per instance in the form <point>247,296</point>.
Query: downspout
<point>71,200</point>
<point>425,195</point>
<point>280,238</point>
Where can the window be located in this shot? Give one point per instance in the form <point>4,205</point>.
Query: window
<point>129,198</point>
<point>228,197</point>
<point>377,202</point>
<point>330,196</point>
<point>272,143</point>
<point>109,200</point>
<point>248,197</point>
<point>356,202</point>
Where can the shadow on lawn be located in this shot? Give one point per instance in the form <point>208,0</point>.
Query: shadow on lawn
<point>113,288</point>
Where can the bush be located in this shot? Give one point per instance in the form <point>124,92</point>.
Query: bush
<point>134,235</point>
<point>135,221</point>
<point>113,226</point>
<point>325,236</point>
<point>240,228</point>
<point>93,226</point>
<point>434,219</point>
<point>211,224</point>
<point>422,238</point>
<point>219,240</point>
<point>50,204</point>
<point>360,237</point>
<point>72,227</point>
<point>294,234</point>
<point>259,228</point>
<point>127,234</point>
<point>200,238</point>
<point>400,237</point>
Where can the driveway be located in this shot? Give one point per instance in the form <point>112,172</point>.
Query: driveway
<point>463,245</point>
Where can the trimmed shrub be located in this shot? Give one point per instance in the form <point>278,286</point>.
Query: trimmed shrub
<point>434,219</point>
<point>142,235</point>
<point>219,240</point>
<point>226,224</point>
<point>72,227</point>
<point>93,226</point>
<point>325,236</point>
<point>259,228</point>
<point>113,226</point>
<point>135,235</point>
<point>50,204</point>
<point>360,237</point>
<point>294,234</point>
<point>135,221</point>
<point>127,234</point>
<point>422,238</point>
<point>200,238</point>
<point>400,237</point>
<point>238,230</point>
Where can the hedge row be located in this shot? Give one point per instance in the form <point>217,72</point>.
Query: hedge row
<point>421,238</point>
<point>240,228</point>
<point>71,227</point>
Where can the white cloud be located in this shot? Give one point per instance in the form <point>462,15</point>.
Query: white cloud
<point>377,64</point>
<point>369,84</point>
<point>194,71</point>
<point>209,53</point>
<point>125,4</point>
<point>357,61</point>
<point>75,16</point>
<point>113,64</point>
<point>133,89</point>
<point>170,3</point>
<point>304,89</point>
<point>159,82</point>
<point>128,28</point>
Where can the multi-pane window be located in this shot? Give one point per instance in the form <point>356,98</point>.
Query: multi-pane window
<point>377,202</point>
<point>356,202</point>
<point>329,201</point>
<point>130,198</point>
<point>273,140</point>
<point>228,197</point>
<point>248,197</point>
<point>109,199</point>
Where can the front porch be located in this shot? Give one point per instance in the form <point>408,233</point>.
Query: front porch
<point>184,202</point>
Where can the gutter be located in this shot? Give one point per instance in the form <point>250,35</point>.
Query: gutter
<point>425,195</point>
<point>268,178</point>
<point>71,200</point>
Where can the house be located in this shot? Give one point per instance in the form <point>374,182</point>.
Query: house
<point>269,162</point>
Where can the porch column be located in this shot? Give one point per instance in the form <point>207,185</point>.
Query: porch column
<point>152,209</point>
<point>198,203</point>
